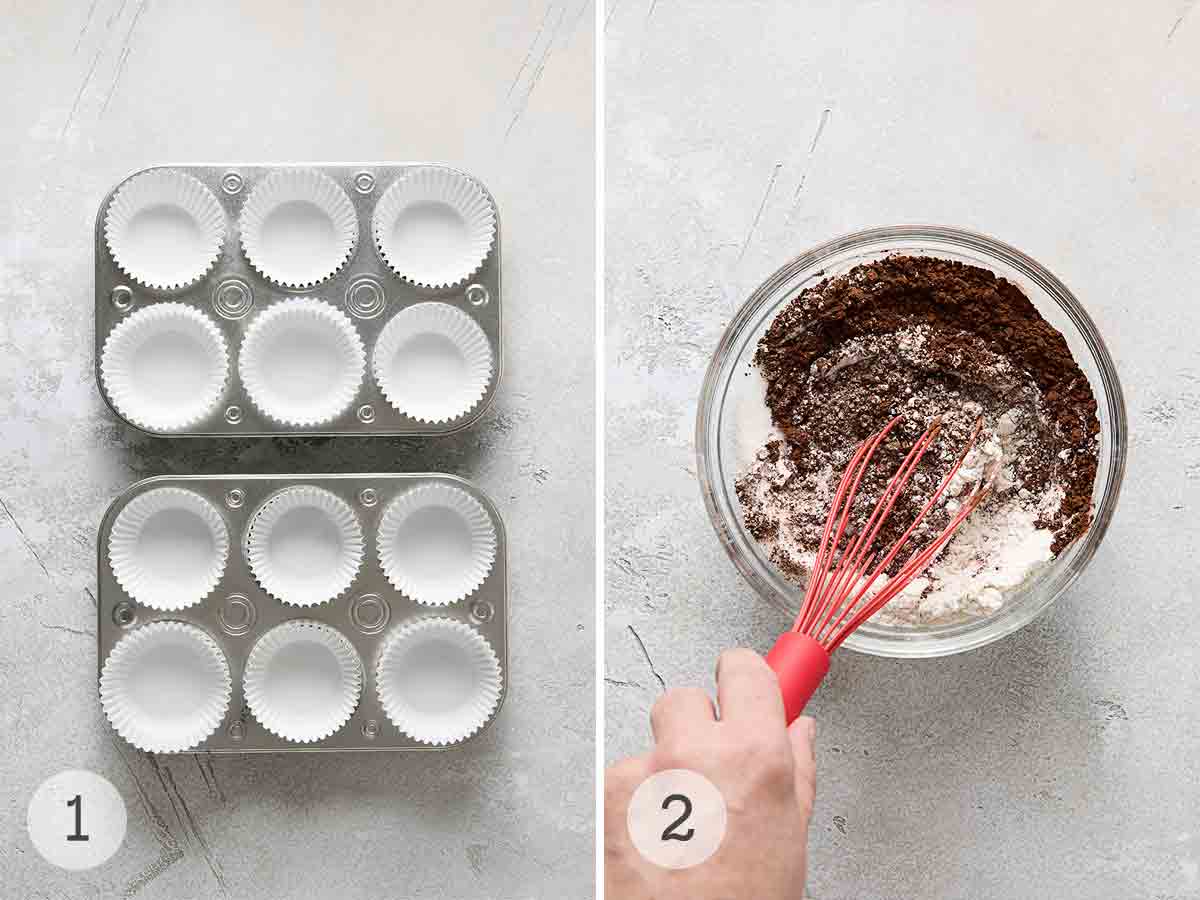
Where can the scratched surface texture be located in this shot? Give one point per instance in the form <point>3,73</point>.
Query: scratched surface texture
<point>95,89</point>
<point>1061,762</point>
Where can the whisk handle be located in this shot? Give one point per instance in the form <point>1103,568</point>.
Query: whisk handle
<point>800,663</point>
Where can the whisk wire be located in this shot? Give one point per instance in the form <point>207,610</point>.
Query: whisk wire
<point>901,580</point>
<point>818,586</point>
<point>833,604</point>
<point>845,581</point>
<point>910,571</point>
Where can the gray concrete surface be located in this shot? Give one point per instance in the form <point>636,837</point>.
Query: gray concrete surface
<point>97,88</point>
<point>1061,762</point>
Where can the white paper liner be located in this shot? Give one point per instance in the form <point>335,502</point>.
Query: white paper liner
<point>164,229</point>
<point>304,545</point>
<point>165,687</point>
<point>303,680</point>
<point>439,680</point>
<point>298,227</point>
<point>434,227</point>
<point>432,362</point>
<point>168,548</point>
<point>436,544</point>
<point>165,367</point>
<point>301,361</point>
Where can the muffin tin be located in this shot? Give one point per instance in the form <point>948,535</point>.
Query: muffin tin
<point>216,631</point>
<point>236,300</point>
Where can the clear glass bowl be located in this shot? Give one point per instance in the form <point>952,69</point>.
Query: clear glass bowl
<point>723,391</point>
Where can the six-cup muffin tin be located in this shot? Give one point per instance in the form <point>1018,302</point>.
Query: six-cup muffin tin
<point>256,274</point>
<point>245,599</point>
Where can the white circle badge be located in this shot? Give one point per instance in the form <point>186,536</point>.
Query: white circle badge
<point>76,819</point>
<point>677,818</point>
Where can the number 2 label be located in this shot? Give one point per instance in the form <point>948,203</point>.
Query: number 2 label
<point>669,833</point>
<point>693,811</point>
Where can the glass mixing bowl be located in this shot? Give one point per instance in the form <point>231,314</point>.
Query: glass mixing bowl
<point>725,387</point>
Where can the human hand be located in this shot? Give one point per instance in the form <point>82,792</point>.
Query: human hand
<point>763,768</point>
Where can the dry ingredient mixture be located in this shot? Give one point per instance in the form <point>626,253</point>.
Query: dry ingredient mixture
<point>923,337</point>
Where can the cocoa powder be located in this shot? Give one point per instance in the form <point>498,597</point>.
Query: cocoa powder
<point>923,337</point>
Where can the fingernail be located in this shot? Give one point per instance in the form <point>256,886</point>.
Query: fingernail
<point>810,729</point>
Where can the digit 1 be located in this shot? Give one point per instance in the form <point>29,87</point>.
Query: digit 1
<point>78,835</point>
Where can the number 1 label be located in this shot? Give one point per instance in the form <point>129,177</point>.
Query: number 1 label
<point>77,834</point>
<point>63,833</point>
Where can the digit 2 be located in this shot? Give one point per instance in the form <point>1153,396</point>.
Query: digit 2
<point>669,833</point>
<point>78,834</point>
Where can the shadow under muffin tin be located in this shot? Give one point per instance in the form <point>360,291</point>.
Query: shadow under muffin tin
<point>302,299</point>
<point>332,612</point>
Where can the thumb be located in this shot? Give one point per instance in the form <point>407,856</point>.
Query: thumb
<point>802,734</point>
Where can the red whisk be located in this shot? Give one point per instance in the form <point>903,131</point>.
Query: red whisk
<point>836,601</point>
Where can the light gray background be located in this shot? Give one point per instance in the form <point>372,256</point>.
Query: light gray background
<point>96,89</point>
<point>1063,761</point>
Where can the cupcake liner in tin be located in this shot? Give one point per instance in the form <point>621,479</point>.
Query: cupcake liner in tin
<point>302,680</point>
<point>434,227</point>
<point>238,614</point>
<point>301,361</point>
<point>165,367</point>
<point>168,548</point>
<point>436,543</point>
<point>164,229</point>
<point>439,681</point>
<point>432,362</point>
<point>165,687</point>
<point>304,545</point>
<point>298,228</point>
<point>234,295</point>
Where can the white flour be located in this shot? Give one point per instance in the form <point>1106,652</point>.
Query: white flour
<point>994,552</point>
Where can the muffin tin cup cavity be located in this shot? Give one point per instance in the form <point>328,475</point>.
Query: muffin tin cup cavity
<point>168,548</point>
<point>439,681</point>
<point>298,228</point>
<point>301,362</point>
<point>305,545</point>
<point>165,367</point>
<point>436,544</point>
<point>164,229</point>
<point>304,233</point>
<point>165,687</point>
<point>432,362</point>
<point>434,227</point>
<point>303,680</point>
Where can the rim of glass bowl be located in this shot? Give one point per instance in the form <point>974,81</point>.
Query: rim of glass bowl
<point>725,512</point>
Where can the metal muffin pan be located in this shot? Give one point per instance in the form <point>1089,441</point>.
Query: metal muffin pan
<point>233,293</point>
<point>222,615</point>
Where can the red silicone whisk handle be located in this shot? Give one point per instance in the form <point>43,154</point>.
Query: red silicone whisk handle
<point>800,663</point>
